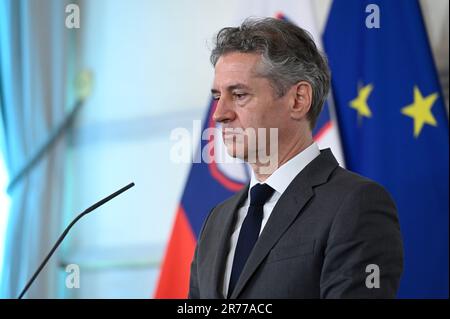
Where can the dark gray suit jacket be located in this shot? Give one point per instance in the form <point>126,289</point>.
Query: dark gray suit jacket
<point>326,228</point>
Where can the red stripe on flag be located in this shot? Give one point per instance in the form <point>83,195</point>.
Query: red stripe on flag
<point>323,130</point>
<point>174,276</point>
<point>280,15</point>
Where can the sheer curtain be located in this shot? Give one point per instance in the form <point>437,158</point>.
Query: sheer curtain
<point>34,50</point>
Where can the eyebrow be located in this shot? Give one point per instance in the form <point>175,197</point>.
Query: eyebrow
<point>231,88</point>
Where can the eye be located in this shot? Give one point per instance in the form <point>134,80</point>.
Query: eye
<point>240,96</point>
<point>215,97</point>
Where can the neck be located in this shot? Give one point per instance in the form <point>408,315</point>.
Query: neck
<point>290,150</point>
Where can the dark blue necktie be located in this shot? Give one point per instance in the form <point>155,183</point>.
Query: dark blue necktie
<point>249,232</point>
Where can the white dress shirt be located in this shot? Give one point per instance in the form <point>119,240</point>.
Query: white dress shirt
<point>279,181</point>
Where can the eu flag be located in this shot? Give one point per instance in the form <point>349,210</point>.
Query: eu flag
<point>394,126</point>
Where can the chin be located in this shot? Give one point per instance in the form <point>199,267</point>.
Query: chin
<point>236,152</point>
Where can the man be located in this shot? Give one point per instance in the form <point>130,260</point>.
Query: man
<point>304,228</point>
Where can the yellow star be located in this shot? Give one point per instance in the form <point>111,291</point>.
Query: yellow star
<point>360,102</point>
<point>420,110</point>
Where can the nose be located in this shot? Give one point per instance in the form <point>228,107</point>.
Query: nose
<point>223,112</point>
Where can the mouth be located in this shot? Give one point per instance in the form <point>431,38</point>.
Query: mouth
<point>230,136</point>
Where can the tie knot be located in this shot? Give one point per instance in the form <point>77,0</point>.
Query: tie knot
<point>259,194</point>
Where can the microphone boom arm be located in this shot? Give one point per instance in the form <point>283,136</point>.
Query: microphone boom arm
<point>66,231</point>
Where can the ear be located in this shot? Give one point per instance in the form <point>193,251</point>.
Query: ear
<point>302,100</point>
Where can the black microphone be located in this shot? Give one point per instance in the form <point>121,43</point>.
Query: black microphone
<point>60,239</point>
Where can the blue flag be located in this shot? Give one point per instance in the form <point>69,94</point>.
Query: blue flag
<point>394,126</point>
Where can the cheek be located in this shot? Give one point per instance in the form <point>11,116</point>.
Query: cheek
<point>269,118</point>
<point>264,113</point>
<point>253,117</point>
<point>244,119</point>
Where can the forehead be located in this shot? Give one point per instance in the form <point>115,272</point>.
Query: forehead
<point>236,66</point>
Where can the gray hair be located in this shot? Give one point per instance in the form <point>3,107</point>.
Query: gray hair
<point>288,56</point>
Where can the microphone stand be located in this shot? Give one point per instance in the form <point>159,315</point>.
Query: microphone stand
<point>66,231</point>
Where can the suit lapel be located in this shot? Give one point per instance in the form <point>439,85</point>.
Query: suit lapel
<point>288,207</point>
<point>228,211</point>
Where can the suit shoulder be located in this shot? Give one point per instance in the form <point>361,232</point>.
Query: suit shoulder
<point>344,184</point>
<point>346,179</point>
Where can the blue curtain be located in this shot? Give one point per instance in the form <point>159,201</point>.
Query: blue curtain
<point>34,51</point>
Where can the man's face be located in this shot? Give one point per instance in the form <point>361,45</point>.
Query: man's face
<point>247,101</point>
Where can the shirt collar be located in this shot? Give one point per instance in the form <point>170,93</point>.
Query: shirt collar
<point>285,174</point>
